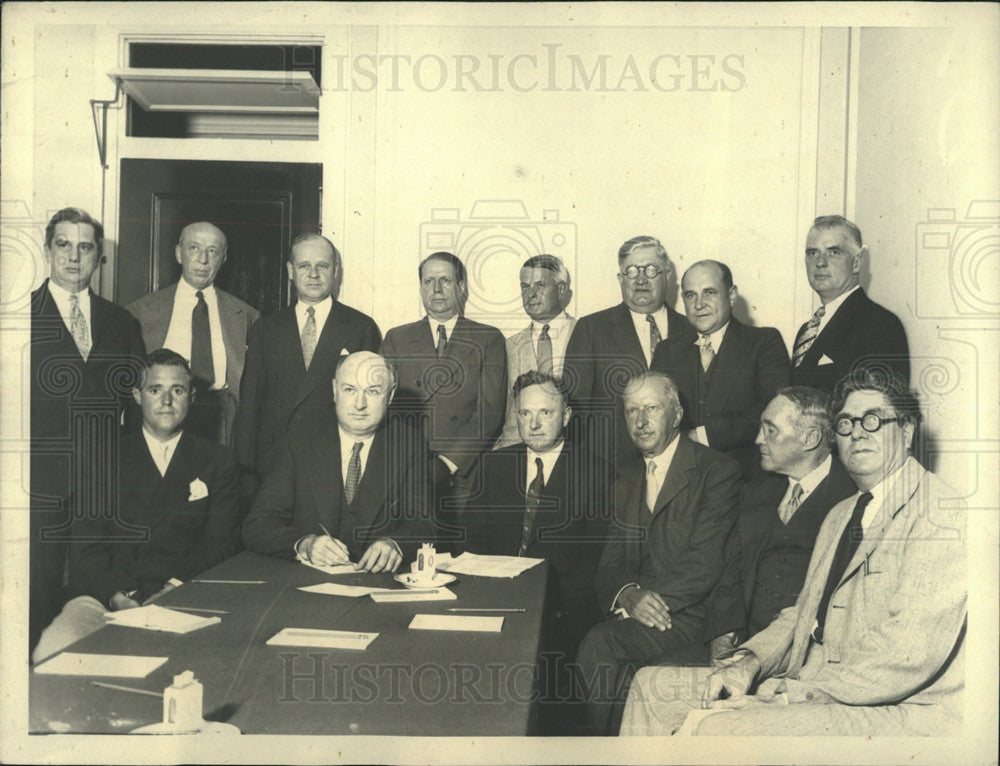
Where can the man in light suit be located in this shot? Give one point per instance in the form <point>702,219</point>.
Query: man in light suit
<point>609,347</point>
<point>848,328</point>
<point>85,355</point>
<point>726,371</point>
<point>673,511</point>
<point>207,325</point>
<point>875,644</point>
<point>177,495</point>
<point>452,377</point>
<point>375,510</point>
<point>542,344</point>
<point>292,355</point>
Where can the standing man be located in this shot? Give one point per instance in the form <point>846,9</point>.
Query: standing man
<point>875,644</point>
<point>292,354</point>
<point>206,325</point>
<point>674,508</point>
<point>611,346</point>
<point>848,327</point>
<point>542,344</point>
<point>80,346</point>
<point>453,375</point>
<point>177,492</point>
<point>726,371</point>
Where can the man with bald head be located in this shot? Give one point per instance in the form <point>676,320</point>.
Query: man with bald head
<point>205,325</point>
<point>375,510</point>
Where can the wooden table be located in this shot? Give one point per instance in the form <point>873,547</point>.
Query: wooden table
<point>408,682</point>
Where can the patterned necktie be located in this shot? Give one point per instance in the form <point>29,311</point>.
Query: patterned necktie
<point>78,327</point>
<point>706,350</point>
<point>442,340</point>
<point>849,541</point>
<point>808,336</point>
<point>652,486</point>
<point>353,473</point>
<point>531,505</point>
<point>545,352</point>
<point>654,335</point>
<point>788,509</point>
<point>201,343</point>
<point>309,337</point>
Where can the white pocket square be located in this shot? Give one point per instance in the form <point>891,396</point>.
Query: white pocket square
<point>197,490</point>
<point>344,352</point>
<point>824,360</point>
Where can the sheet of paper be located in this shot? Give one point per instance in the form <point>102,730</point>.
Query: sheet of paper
<point>333,569</point>
<point>111,665</point>
<point>488,566</point>
<point>153,617</point>
<point>456,622</point>
<point>399,596</point>
<point>336,589</point>
<point>326,639</point>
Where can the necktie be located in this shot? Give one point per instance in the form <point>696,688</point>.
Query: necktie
<point>808,336</point>
<point>353,473</point>
<point>706,350</point>
<point>654,335</point>
<point>788,509</point>
<point>309,336</point>
<point>78,327</point>
<point>442,340</point>
<point>848,544</point>
<point>544,352</point>
<point>201,343</point>
<point>652,486</point>
<point>531,505</point>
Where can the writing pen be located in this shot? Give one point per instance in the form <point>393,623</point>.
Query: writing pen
<point>116,687</point>
<point>499,609</point>
<point>327,533</point>
<point>232,582</point>
<point>196,609</point>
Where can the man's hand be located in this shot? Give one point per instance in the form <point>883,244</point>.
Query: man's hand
<point>731,682</point>
<point>324,550</point>
<point>720,650</point>
<point>120,601</point>
<point>381,556</point>
<point>646,606</point>
<point>165,589</point>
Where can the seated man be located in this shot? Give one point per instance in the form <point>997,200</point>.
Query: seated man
<point>673,512</point>
<point>177,498</point>
<point>875,644</point>
<point>375,509</point>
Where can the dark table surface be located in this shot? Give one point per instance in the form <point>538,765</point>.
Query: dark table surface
<point>408,682</point>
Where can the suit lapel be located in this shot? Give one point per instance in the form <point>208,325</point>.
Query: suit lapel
<point>98,321</point>
<point>727,365</point>
<point>233,329</point>
<point>622,331</point>
<point>371,490</point>
<point>677,475</point>
<point>835,328</point>
<point>163,311</point>
<point>326,477</point>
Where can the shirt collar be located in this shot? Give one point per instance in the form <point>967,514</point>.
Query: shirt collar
<point>156,444</point>
<point>811,480</point>
<point>449,325</point>
<point>829,309</point>
<point>665,458</point>
<point>715,338</point>
<point>548,460</point>
<point>347,441</point>
<point>659,316</point>
<point>557,325</point>
<point>884,489</point>
<point>62,295</point>
<point>188,290</point>
<point>322,309</point>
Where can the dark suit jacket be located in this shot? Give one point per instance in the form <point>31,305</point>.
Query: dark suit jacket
<point>154,311</point>
<point>860,331</point>
<point>305,489</point>
<point>603,353</point>
<point>463,394</point>
<point>732,599</point>
<point>749,367</point>
<point>277,393</point>
<point>694,514</point>
<point>183,537</point>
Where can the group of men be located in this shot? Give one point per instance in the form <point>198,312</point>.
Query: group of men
<point>676,472</point>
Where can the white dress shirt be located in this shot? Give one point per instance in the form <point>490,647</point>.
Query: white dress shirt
<point>809,482</point>
<point>829,309</point>
<point>699,434</point>
<point>347,443</point>
<point>449,328</point>
<point>548,462</point>
<point>161,452</point>
<point>179,332</point>
<point>559,332</point>
<point>321,311</point>
<point>642,330</point>
<point>61,298</point>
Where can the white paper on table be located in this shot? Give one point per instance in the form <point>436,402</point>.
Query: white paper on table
<point>456,622</point>
<point>153,617</point>
<point>336,589</point>
<point>488,566</point>
<point>326,639</point>
<point>398,596</point>
<point>332,569</point>
<point>112,665</point>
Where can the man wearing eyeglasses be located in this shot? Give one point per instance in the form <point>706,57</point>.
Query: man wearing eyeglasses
<point>875,644</point>
<point>611,346</point>
<point>848,327</point>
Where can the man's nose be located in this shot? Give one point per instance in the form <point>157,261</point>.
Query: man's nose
<point>361,401</point>
<point>760,437</point>
<point>641,277</point>
<point>857,432</point>
<point>437,286</point>
<point>536,422</point>
<point>167,397</point>
<point>201,255</point>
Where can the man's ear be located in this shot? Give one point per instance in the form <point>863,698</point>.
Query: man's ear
<point>811,439</point>
<point>391,394</point>
<point>567,414</point>
<point>137,396</point>
<point>177,253</point>
<point>678,416</point>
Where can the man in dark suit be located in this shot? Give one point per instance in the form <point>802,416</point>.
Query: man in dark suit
<point>609,347</point>
<point>292,354</point>
<point>207,325</point>
<point>726,371</point>
<point>375,510</point>
<point>848,327</point>
<point>178,501</point>
<point>673,512</point>
<point>85,354</point>
<point>453,376</point>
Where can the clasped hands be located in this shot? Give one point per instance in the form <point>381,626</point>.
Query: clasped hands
<point>647,607</point>
<point>381,556</point>
<point>727,686</point>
